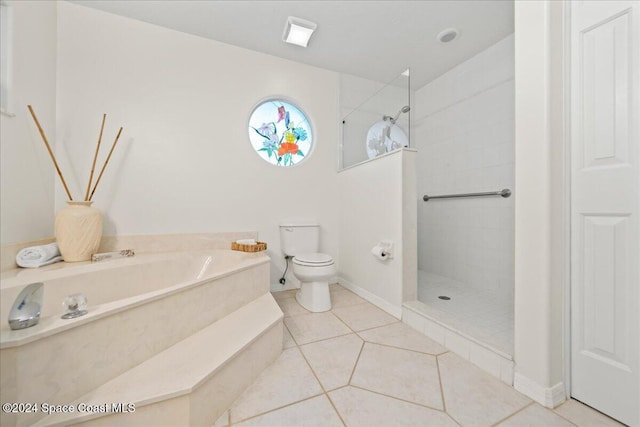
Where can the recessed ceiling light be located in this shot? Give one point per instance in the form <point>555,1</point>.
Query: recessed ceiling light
<point>298,31</point>
<point>448,35</point>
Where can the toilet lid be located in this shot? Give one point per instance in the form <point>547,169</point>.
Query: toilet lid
<point>315,259</point>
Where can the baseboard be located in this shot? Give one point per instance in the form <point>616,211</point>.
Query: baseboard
<point>277,287</point>
<point>293,283</point>
<point>549,397</point>
<point>372,298</point>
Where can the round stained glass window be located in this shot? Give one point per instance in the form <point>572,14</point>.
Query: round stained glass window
<point>280,133</point>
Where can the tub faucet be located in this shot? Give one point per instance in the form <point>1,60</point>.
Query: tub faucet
<point>25,311</point>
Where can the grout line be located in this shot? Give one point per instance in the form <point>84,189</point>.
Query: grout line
<point>335,408</point>
<point>320,382</point>
<point>324,339</point>
<point>567,419</point>
<point>338,317</point>
<point>515,413</point>
<point>356,364</point>
<point>380,326</point>
<point>338,388</point>
<point>330,338</point>
<point>453,419</point>
<point>444,403</point>
<point>280,407</point>
<point>370,329</point>
<point>290,334</point>
<point>322,385</point>
<point>312,371</point>
<point>333,307</point>
<point>407,349</point>
<point>397,398</point>
<point>294,315</point>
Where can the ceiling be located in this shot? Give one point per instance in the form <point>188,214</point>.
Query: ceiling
<point>376,40</point>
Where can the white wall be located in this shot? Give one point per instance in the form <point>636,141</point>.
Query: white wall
<point>539,252</point>
<point>378,202</point>
<point>464,132</point>
<point>184,163</point>
<point>26,173</point>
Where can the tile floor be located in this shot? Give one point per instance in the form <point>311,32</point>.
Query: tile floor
<point>358,366</point>
<point>484,315</point>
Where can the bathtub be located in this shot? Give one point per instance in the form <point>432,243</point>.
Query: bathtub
<point>137,307</point>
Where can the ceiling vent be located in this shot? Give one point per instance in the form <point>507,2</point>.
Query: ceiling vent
<point>298,31</point>
<point>448,35</point>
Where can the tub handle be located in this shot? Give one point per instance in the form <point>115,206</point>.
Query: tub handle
<point>76,305</point>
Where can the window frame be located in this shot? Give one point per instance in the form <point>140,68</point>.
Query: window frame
<point>294,103</point>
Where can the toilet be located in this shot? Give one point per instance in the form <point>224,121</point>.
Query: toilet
<point>314,269</point>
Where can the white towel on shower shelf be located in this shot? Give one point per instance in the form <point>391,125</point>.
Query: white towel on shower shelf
<point>38,256</point>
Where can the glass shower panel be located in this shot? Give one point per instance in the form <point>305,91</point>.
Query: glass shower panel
<point>380,123</point>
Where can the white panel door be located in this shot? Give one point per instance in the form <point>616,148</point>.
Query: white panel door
<point>605,128</point>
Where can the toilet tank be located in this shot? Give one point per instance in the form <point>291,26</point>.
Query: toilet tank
<point>299,238</point>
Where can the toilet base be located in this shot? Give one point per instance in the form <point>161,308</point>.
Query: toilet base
<point>314,296</point>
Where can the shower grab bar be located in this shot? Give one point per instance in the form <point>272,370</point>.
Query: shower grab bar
<point>504,193</point>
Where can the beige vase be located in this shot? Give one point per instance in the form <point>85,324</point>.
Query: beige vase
<point>78,231</point>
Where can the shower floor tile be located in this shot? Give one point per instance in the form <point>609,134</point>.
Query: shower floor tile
<point>485,315</point>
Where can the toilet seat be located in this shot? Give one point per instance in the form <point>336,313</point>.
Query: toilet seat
<point>313,260</point>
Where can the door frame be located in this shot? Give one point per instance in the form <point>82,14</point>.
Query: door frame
<point>566,184</point>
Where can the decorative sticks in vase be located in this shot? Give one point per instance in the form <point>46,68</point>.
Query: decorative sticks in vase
<point>78,226</point>
<point>89,192</point>
<point>103,166</point>
<point>53,157</point>
<point>95,157</point>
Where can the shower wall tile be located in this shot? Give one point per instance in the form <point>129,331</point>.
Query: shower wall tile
<point>464,132</point>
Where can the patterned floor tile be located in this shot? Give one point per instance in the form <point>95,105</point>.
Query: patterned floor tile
<point>404,374</point>
<point>361,408</point>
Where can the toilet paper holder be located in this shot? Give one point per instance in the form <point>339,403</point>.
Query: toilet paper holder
<point>383,250</point>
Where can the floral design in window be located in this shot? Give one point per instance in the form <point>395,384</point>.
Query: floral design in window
<point>280,133</point>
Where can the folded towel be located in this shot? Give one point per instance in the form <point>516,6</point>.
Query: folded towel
<point>246,241</point>
<point>38,256</point>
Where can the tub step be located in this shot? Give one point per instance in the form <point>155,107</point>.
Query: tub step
<point>193,382</point>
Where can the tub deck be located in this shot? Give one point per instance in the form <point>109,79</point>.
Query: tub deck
<point>114,285</point>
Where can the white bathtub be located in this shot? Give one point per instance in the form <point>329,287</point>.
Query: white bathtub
<point>113,285</point>
<point>137,307</point>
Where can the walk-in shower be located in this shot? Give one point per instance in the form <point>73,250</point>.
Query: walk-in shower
<point>462,125</point>
<point>464,133</point>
